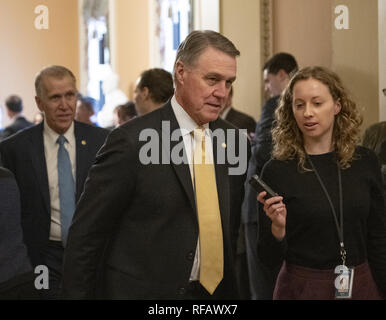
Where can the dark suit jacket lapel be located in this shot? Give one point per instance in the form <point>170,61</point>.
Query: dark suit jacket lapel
<point>222,180</point>
<point>39,162</point>
<point>81,158</point>
<point>182,170</point>
<point>231,115</point>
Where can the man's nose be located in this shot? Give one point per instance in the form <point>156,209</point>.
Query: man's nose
<point>65,102</point>
<point>221,90</point>
<point>62,102</point>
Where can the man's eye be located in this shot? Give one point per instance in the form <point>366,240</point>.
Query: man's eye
<point>212,80</point>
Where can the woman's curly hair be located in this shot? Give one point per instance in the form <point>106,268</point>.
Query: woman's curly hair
<point>286,135</point>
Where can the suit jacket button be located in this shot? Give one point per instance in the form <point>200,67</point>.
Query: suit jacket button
<point>190,256</point>
<point>181,291</point>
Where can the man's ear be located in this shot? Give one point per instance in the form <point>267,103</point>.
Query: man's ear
<point>179,71</point>
<point>39,103</point>
<point>282,74</point>
<point>145,93</point>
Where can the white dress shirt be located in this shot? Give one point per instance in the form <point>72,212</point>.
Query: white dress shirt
<point>187,126</point>
<point>51,153</point>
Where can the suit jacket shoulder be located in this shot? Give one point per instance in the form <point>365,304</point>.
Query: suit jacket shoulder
<point>5,173</point>
<point>93,132</point>
<point>21,140</point>
<point>241,120</point>
<point>19,124</point>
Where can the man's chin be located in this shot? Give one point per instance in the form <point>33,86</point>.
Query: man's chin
<point>210,117</point>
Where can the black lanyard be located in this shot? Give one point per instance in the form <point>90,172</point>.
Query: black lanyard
<point>339,227</point>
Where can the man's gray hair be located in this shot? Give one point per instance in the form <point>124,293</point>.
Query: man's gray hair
<point>58,72</point>
<point>197,41</point>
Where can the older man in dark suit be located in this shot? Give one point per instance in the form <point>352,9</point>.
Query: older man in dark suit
<point>50,162</point>
<point>165,222</point>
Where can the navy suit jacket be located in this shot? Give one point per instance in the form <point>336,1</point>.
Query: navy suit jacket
<point>261,153</point>
<point>23,155</point>
<point>241,120</point>
<point>20,123</point>
<point>143,226</point>
<point>13,252</point>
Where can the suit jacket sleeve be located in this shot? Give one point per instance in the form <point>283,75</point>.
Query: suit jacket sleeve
<point>107,191</point>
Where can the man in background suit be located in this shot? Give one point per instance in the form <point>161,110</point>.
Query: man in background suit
<point>238,119</point>
<point>154,88</point>
<point>33,157</point>
<point>85,110</point>
<point>14,107</point>
<point>277,72</point>
<point>143,227</point>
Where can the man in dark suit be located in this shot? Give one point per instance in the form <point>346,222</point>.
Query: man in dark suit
<point>14,107</point>
<point>36,156</point>
<point>146,228</point>
<point>16,275</point>
<point>277,71</point>
<point>238,119</point>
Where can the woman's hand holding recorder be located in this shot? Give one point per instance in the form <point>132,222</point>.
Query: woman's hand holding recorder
<point>274,207</point>
<point>275,210</point>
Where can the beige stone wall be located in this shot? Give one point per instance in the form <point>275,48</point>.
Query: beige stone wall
<point>382,57</point>
<point>306,28</point>
<point>355,55</point>
<point>25,50</point>
<point>131,42</point>
<point>303,28</point>
<point>241,24</point>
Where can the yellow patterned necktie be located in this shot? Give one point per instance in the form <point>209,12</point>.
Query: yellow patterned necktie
<point>209,218</point>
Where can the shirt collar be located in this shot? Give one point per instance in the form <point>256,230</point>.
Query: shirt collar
<point>53,136</point>
<point>185,122</point>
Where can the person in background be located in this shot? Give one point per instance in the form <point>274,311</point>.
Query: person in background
<point>238,119</point>
<point>277,72</point>
<point>16,275</point>
<point>50,162</point>
<point>14,107</point>
<point>329,213</point>
<point>124,113</point>
<point>85,110</point>
<point>154,88</point>
<point>374,138</point>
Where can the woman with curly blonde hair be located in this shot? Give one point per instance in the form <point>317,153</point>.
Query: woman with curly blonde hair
<point>287,136</point>
<point>329,215</point>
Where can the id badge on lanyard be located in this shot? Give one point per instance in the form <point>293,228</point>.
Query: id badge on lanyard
<point>344,281</point>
